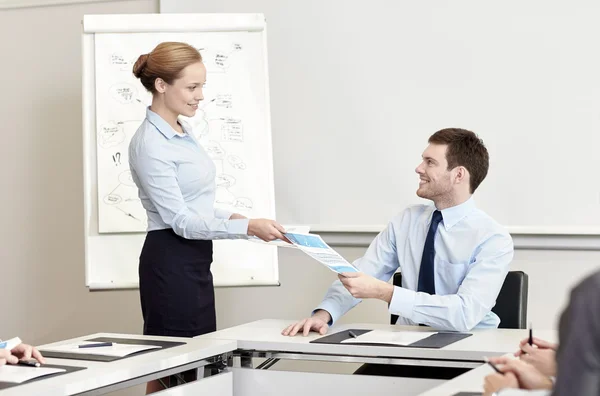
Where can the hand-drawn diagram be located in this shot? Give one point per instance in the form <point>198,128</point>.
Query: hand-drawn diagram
<point>124,197</point>
<point>222,125</point>
<point>219,60</point>
<point>112,134</point>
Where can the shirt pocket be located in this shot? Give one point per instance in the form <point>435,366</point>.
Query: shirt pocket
<point>450,276</point>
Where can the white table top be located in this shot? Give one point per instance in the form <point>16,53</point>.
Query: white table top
<point>265,335</point>
<point>471,381</point>
<point>100,374</point>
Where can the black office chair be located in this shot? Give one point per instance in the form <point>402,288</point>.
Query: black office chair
<point>511,304</point>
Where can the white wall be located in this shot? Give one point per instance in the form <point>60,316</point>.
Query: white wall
<point>43,296</point>
<point>294,46</point>
<point>41,241</point>
<point>361,86</point>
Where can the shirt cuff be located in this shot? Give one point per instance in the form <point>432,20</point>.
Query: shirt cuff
<point>222,214</point>
<point>329,307</point>
<point>403,302</point>
<point>238,227</point>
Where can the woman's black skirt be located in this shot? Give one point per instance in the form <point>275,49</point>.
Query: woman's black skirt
<point>176,285</point>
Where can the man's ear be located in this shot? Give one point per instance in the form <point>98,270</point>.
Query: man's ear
<point>461,175</point>
<point>160,85</point>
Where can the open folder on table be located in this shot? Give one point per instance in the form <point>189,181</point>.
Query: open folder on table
<point>116,349</point>
<point>403,338</point>
<point>393,338</point>
<point>19,374</point>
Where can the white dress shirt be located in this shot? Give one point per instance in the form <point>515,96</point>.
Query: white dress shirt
<point>472,257</point>
<point>176,182</point>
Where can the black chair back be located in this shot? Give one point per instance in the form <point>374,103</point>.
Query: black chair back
<point>511,303</point>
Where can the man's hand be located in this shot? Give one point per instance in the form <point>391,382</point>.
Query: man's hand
<point>528,376</point>
<point>318,323</point>
<point>495,382</point>
<point>361,285</point>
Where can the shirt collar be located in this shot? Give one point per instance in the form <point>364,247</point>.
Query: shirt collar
<point>456,213</point>
<point>162,126</point>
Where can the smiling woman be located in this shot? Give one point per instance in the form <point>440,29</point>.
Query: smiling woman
<point>176,71</point>
<point>176,181</point>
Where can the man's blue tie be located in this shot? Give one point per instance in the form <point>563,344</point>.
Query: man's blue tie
<point>426,277</point>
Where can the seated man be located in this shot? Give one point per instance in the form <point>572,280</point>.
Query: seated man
<point>577,367</point>
<point>453,257</point>
<point>21,351</point>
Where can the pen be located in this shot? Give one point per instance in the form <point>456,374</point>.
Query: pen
<point>493,365</point>
<point>30,363</point>
<point>352,334</point>
<point>530,334</point>
<point>95,345</point>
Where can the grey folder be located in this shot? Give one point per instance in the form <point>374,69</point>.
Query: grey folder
<point>68,369</point>
<point>438,340</point>
<point>101,358</point>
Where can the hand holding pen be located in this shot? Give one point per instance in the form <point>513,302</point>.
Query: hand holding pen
<point>20,352</point>
<point>29,363</point>
<point>509,368</point>
<point>536,343</point>
<point>541,354</point>
<point>492,365</point>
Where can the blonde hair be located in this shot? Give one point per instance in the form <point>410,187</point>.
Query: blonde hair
<point>166,62</point>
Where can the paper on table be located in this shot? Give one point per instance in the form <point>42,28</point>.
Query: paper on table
<point>315,247</point>
<point>279,242</point>
<point>390,337</point>
<point>114,350</point>
<point>18,374</point>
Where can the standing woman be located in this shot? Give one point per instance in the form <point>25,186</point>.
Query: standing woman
<point>176,182</point>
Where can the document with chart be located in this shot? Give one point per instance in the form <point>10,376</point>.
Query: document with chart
<point>278,242</point>
<point>315,247</point>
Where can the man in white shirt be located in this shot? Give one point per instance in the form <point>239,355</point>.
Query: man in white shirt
<point>453,257</point>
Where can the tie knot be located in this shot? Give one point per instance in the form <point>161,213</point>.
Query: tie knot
<point>437,217</point>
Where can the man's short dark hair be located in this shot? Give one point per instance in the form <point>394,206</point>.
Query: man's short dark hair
<point>466,149</point>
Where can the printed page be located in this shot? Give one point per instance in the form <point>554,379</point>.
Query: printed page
<point>314,246</point>
<point>390,337</point>
<point>18,374</point>
<point>116,349</point>
<point>279,242</point>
